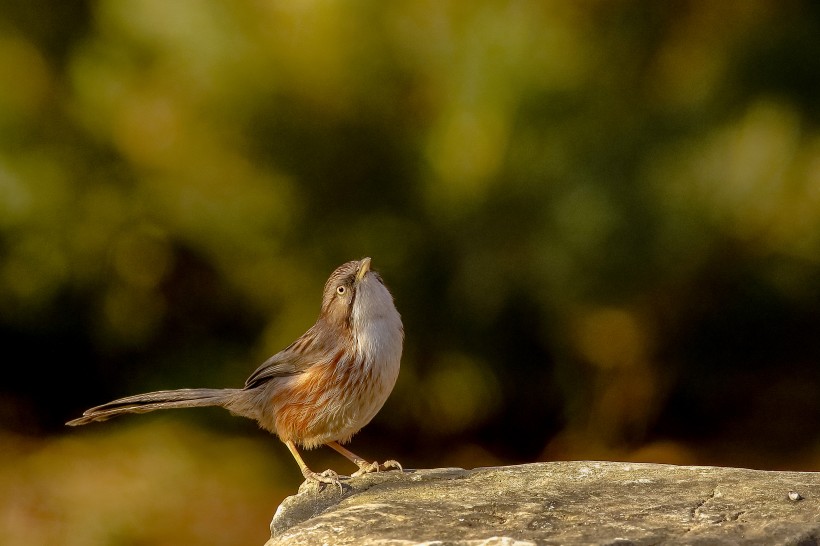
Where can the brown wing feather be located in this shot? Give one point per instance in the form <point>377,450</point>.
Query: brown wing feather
<point>293,360</point>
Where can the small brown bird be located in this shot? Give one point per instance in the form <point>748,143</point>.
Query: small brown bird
<point>323,388</point>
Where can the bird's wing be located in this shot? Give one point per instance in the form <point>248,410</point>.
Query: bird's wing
<point>289,361</point>
<point>282,364</point>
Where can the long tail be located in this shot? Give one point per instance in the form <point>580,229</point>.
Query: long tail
<point>143,403</point>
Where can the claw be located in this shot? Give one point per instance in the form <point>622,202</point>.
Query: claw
<point>326,477</point>
<point>366,468</point>
<point>393,464</point>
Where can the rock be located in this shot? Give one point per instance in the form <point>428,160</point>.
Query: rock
<point>557,503</point>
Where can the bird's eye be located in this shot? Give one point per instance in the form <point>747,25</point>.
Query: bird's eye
<point>341,290</point>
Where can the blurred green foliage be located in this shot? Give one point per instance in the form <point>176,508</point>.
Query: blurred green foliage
<point>156,485</point>
<point>600,220</point>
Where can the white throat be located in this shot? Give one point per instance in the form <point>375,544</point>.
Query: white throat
<point>377,326</point>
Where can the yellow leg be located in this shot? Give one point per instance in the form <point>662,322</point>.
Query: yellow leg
<point>364,466</point>
<point>328,476</point>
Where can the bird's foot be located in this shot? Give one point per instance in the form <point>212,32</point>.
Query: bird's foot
<point>366,468</point>
<point>327,477</point>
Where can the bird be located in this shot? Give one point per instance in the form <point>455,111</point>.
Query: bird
<point>319,390</point>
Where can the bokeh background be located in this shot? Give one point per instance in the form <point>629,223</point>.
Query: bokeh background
<point>600,221</point>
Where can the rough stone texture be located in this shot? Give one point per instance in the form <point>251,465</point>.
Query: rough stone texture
<point>558,503</point>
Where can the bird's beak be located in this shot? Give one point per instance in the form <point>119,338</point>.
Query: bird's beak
<point>364,267</point>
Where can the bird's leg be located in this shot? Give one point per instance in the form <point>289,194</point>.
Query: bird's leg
<point>328,476</point>
<point>364,466</point>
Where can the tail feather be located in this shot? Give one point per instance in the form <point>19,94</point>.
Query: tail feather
<point>143,403</point>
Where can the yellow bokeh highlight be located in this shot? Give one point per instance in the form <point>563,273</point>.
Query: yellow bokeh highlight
<point>624,381</point>
<point>26,76</point>
<point>756,176</point>
<point>460,394</point>
<point>611,338</point>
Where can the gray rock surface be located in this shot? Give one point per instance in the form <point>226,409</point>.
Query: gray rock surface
<point>602,503</point>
